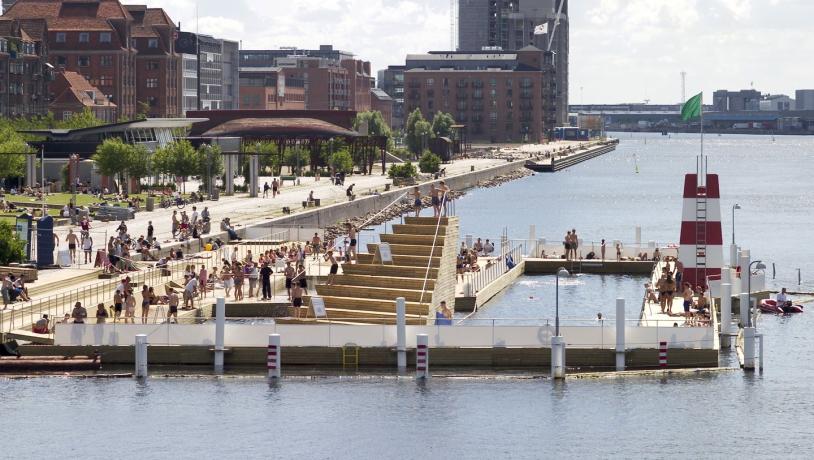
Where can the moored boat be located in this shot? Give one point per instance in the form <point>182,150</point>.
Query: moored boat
<point>771,306</point>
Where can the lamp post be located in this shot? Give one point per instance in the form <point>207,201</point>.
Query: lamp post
<point>759,265</point>
<point>560,272</point>
<point>209,171</point>
<point>734,207</point>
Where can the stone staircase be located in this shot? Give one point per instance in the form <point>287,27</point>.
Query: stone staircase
<point>365,292</point>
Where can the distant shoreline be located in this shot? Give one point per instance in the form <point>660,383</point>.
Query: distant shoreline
<point>763,132</point>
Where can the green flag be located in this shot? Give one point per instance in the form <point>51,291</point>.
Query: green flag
<point>692,108</point>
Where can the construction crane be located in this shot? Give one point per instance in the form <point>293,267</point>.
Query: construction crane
<point>556,23</point>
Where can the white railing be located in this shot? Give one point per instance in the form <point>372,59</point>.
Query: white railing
<point>498,268</point>
<point>483,333</point>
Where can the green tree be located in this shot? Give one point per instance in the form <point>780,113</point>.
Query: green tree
<point>442,124</point>
<point>429,162</point>
<point>11,143</point>
<point>139,163</point>
<point>423,132</point>
<point>413,137</point>
<point>178,158</point>
<point>402,170</point>
<point>295,157</point>
<point>342,162</point>
<point>12,249</point>
<point>112,158</point>
<point>210,163</point>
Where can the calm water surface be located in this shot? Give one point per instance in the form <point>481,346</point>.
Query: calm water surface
<point>718,416</point>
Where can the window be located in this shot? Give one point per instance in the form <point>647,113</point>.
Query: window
<point>152,43</point>
<point>83,61</point>
<point>430,82</point>
<point>84,37</point>
<point>152,65</point>
<point>106,61</point>
<point>153,101</point>
<point>105,80</point>
<point>61,60</point>
<point>60,38</point>
<point>152,82</point>
<point>67,115</point>
<point>104,37</point>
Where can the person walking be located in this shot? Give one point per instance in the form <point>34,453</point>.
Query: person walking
<point>266,190</point>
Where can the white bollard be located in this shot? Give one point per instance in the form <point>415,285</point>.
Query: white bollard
<point>620,334</point>
<point>557,357</point>
<point>744,259</point>
<point>220,332</point>
<point>749,348</point>
<point>540,247</point>
<point>422,356</point>
<point>401,334</point>
<point>141,356</point>
<point>638,236</point>
<point>726,314</point>
<point>273,355</point>
<point>531,250</point>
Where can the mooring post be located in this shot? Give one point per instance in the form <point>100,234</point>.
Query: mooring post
<point>422,356</point>
<point>749,348</point>
<point>220,330</point>
<point>401,335</point>
<point>733,255</point>
<point>726,314</point>
<point>638,237</point>
<point>273,355</point>
<point>557,357</point>
<point>531,250</point>
<point>141,356</point>
<point>620,334</point>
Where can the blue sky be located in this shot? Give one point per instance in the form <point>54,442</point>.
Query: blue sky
<point>621,50</point>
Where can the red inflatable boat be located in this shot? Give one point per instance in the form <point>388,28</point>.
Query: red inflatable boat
<point>771,306</point>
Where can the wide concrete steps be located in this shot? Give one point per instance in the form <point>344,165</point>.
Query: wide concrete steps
<point>419,240</point>
<point>389,270</point>
<point>42,288</point>
<point>392,282</point>
<point>402,260</point>
<point>425,221</point>
<point>409,250</point>
<point>406,229</point>
<point>410,295</point>
<point>364,306</point>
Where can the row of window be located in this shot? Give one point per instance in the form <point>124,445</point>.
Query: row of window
<point>104,61</point>
<point>525,82</point>
<point>103,37</point>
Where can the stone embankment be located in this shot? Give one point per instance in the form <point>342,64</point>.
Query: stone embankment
<point>405,206</point>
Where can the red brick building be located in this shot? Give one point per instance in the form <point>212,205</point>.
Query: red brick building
<point>100,40</point>
<point>23,70</point>
<point>272,88</point>
<point>500,97</point>
<point>72,94</point>
<point>382,103</point>
<point>157,63</point>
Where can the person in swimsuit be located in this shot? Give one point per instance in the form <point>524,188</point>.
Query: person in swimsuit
<point>275,187</point>
<point>72,240</point>
<point>145,303</point>
<point>118,302</point>
<point>442,191</point>
<point>329,256</point>
<point>130,307</point>
<point>302,278</point>
<point>417,200</point>
<point>352,248</point>
<point>289,277</point>
<point>436,203</point>
<point>296,300</point>
<point>172,301</point>
<point>687,293</point>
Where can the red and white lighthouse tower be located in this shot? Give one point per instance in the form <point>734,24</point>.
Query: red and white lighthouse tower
<point>701,243</point>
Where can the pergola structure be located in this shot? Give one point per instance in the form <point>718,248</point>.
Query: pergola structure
<point>288,129</point>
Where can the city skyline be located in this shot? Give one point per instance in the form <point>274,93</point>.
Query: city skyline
<point>720,44</point>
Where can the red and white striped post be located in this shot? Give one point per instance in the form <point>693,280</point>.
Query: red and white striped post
<point>701,244</point>
<point>422,356</point>
<point>663,355</point>
<point>274,356</point>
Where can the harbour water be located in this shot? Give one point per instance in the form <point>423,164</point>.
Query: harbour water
<point>706,415</point>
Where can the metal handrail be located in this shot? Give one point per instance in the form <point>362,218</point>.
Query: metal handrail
<point>432,251</point>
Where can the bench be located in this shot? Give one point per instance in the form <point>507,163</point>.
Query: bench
<point>114,213</point>
<point>28,274</point>
<point>289,178</point>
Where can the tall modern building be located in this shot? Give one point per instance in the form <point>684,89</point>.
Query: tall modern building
<point>210,75</point>
<point>736,101</point>
<point>509,25</point>
<point>391,81</point>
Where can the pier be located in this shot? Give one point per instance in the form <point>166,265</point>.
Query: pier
<point>563,160</point>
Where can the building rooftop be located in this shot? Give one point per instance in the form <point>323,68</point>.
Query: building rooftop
<point>78,89</point>
<point>278,127</point>
<point>463,56</point>
<point>380,94</point>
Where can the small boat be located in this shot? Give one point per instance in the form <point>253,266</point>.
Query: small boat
<point>771,306</point>
<point>538,167</point>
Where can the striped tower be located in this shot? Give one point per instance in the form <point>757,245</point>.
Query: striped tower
<point>701,244</point>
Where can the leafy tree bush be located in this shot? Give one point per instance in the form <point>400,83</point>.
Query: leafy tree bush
<point>402,171</point>
<point>112,158</point>
<point>342,162</point>
<point>442,124</point>
<point>429,162</point>
<point>12,249</point>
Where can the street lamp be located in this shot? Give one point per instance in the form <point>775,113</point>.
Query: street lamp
<point>209,171</point>
<point>560,272</point>
<point>734,207</point>
<point>759,265</point>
